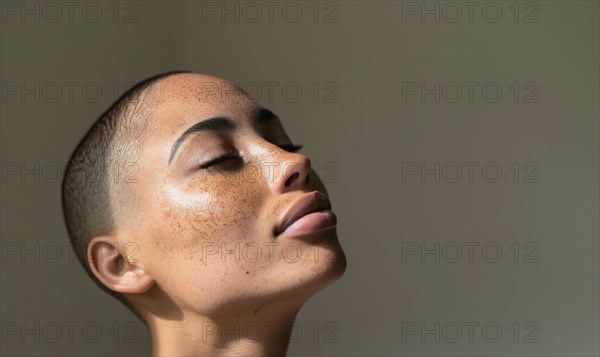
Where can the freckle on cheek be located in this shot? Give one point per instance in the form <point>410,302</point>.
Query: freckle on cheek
<point>230,210</point>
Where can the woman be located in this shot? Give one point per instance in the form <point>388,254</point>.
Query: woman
<point>189,202</point>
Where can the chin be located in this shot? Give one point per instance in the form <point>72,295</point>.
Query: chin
<point>335,267</point>
<point>331,265</point>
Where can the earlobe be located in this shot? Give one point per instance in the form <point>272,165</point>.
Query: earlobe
<point>109,262</point>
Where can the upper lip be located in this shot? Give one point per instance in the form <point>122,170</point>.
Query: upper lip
<point>311,202</point>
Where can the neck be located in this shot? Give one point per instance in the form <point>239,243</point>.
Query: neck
<point>259,330</point>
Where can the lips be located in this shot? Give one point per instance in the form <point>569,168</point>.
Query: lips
<point>307,204</point>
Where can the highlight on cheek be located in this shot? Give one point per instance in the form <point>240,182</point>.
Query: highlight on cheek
<point>192,208</point>
<point>188,198</point>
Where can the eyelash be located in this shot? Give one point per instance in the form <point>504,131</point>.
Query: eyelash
<point>236,155</point>
<point>291,148</point>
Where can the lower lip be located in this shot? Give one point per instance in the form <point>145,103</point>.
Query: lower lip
<point>311,223</point>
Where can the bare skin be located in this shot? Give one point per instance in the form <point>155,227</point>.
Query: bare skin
<point>208,273</point>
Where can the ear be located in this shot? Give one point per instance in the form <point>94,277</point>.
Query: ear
<point>110,263</point>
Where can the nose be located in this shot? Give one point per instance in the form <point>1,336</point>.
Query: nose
<point>294,173</point>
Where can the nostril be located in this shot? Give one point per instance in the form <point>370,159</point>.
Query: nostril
<point>291,179</point>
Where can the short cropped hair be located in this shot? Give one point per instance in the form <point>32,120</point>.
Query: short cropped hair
<point>95,195</point>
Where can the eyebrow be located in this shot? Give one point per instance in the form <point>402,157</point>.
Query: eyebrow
<point>261,116</point>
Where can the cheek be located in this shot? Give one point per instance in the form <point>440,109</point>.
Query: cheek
<point>225,210</point>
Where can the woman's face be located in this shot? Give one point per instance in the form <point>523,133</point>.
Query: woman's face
<point>207,235</point>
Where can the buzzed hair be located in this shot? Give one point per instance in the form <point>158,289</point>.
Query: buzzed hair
<point>95,192</point>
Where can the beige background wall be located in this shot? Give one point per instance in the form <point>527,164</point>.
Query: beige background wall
<point>372,136</point>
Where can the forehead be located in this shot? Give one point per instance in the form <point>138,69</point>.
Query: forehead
<point>189,96</point>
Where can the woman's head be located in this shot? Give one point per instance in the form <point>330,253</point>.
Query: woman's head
<point>197,182</point>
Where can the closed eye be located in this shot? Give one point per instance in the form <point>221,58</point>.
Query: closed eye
<point>236,155</point>
<point>221,158</point>
<point>291,148</point>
